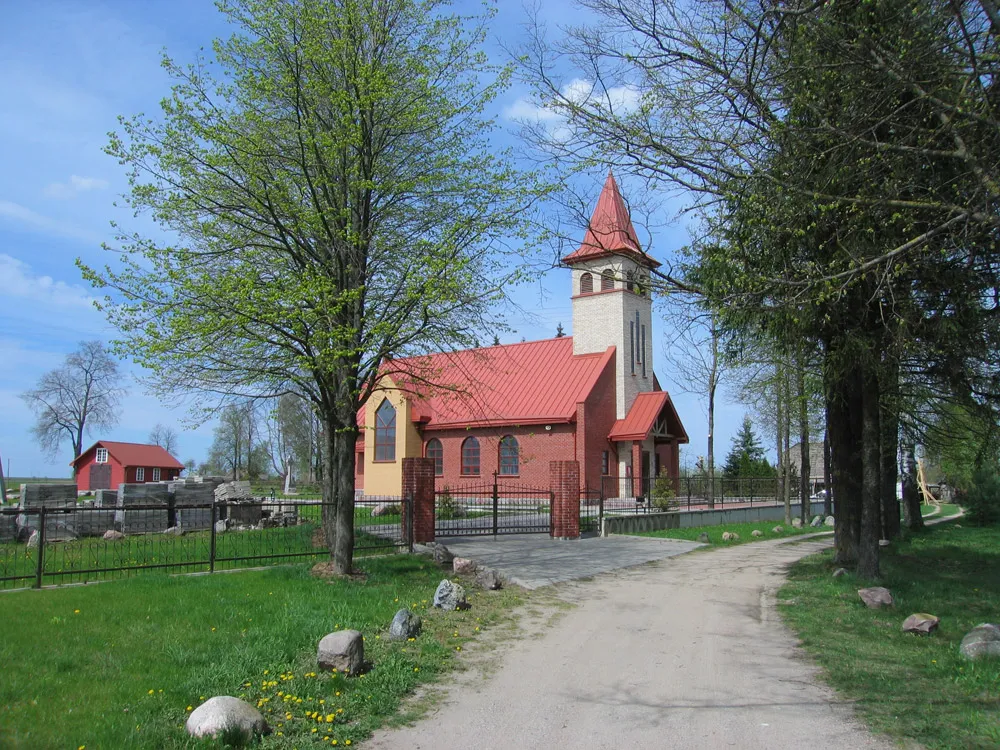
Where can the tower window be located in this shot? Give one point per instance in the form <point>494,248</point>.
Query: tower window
<point>607,281</point>
<point>586,284</point>
<point>642,346</point>
<point>631,344</point>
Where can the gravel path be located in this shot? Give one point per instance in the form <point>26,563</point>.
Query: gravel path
<point>683,653</point>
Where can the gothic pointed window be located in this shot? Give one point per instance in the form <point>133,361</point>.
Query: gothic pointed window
<point>385,432</point>
<point>509,456</point>
<point>586,284</point>
<point>470,457</point>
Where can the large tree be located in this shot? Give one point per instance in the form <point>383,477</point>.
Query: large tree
<point>164,436</point>
<point>333,203</point>
<point>71,400</point>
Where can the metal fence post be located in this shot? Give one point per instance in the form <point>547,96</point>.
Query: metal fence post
<point>41,548</point>
<point>496,506</point>
<point>211,541</point>
<point>409,523</point>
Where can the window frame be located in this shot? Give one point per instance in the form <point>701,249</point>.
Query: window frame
<point>383,430</point>
<point>607,281</point>
<point>469,444</point>
<point>438,457</point>
<point>605,463</point>
<point>506,441</point>
<point>588,279</point>
<point>140,473</point>
<point>156,473</point>
<point>101,456</point>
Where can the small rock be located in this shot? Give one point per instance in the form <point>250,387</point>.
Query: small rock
<point>703,538</point>
<point>224,714</point>
<point>175,531</point>
<point>778,530</point>
<point>463,565</point>
<point>111,535</point>
<point>489,579</point>
<point>220,526</point>
<point>876,597</point>
<point>450,596</point>
<point>921,623</point>
<point>734,536</point>
<point>440,553</point>
<point>756,532</point>
<point>884,542</point>
<point>829,521</point>
<point>957,526</point>
<point>982,641</point>
<point>33,539</point>
<point>817,521</point>
<point>726,536</point>
<point>404,625</point>
<point>839,572</point>
<point>797,523</point>
<point>343,650</point>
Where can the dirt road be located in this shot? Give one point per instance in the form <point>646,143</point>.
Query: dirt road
<point>684,653</point>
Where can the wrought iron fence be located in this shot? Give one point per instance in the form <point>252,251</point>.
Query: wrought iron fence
<point>640,494</point>
<point>493,508</point>
<point>53,546</point>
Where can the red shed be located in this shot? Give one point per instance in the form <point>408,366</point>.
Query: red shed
<point>106,464</point>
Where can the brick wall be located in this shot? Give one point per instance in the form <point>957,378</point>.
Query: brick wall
<point>564,479</point>
<point>418,485</point>
<point>595,419</point>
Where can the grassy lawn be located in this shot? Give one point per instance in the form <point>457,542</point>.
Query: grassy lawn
<point>117,665</point>
<point>745,530</point>
<point>905,685</point>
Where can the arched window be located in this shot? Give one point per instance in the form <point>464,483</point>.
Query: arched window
<point>385,432</point>
<point>509,460</point>
<point>435,451</point>
<point>607,281</point>
<point>470,457</point>
<point>586,284</point>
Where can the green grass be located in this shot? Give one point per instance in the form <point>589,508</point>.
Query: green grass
<point>116,665</point>
<point>745,530</point>
<point>905,685</point>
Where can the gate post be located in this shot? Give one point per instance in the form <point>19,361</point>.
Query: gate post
<point>564,509</point>
<point>418,486</point>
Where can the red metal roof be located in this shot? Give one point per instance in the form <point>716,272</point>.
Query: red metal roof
<point>646,409</point>
<point>136,454</point>
<point>537,382</point>
<point>610,231</point>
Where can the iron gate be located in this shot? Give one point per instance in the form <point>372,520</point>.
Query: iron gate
<point>497,508</point>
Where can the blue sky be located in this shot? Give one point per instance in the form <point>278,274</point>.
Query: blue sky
<point>67,71</point>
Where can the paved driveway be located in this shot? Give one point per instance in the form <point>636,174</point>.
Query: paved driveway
<point>534,560</point>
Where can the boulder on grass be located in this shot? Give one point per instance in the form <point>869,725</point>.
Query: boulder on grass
<point>226,716</point>
<point>876,597</point>
<point>703,538</point>
<point>33,539</point>
<point>797,523</point>
<point>983,641</point>
<point>829,521</point>
<point>174,531</point>
<point>921,623</point>
<point>778,529</point>
<point>726,536</point>
<point>343,650</point>
<point>463,565</point>
<point>489,579</point>
<point>404,625</point>
<point>450,596</point>
<point>817,521</point>
<point>839,572</point>
<point>756,532</point>
<point>385,509</point>
<point>112,536</point>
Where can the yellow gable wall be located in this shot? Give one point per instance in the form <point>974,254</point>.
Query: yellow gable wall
<point>386,477</point>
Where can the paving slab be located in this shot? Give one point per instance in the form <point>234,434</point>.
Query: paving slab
<point>536,560</point>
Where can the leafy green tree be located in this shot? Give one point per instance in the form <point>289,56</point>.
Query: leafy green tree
<point>333,204</point>
<point>746,457</point>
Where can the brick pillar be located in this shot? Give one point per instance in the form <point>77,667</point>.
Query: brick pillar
<point>636,468</point>
<point>564,481</point>
<point>418,486</point>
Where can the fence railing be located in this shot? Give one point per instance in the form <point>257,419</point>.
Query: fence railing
<point>638,494</point>
<point>492,508</point>
<point>53,546</point>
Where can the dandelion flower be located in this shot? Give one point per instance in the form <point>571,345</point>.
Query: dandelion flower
<point>76,611</point>
<point>189,708</point>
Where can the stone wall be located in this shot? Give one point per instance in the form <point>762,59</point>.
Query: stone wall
<point>684,520</point>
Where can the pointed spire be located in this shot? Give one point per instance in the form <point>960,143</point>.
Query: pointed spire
<point>610,231</point>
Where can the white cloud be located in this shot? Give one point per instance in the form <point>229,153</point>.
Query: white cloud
<point>33,220</point>
<point>579,91</point>
<point>75,186</point>
<point>21,283</point>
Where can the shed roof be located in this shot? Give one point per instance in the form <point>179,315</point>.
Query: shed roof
<point>647,409</point>
<point>536,382</point>
<point>135,454</point>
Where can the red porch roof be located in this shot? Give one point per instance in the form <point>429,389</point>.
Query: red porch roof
<point>610,231</point>
<point>642,417</point>
<point>135,454</point>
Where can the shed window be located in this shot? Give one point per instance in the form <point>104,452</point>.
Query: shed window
<point>586,284</point>
<point>435,451</point>
<point>509,461</point>
<point>470,457</point>
<point>156,475</point>
<point>102,456</point>
<point>140,474</point>
<point>607,281</point>
<point>385,432</point>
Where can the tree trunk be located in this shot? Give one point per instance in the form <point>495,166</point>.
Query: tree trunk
<point>779,407</point>
<point>827,483</point>
<point>805,504</point>
<point>912,516</point>
<point>889,446</point>
<point>871,485</point>
<point>787,447</point>
<point>338,493</point>
<point>712,384</point>
<point>843,408</point>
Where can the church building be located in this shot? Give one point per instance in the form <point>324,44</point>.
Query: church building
<point>508,410</point>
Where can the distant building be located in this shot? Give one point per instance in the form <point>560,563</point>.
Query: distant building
<point>817,474</point>
<point>509,410</point>
<point>107,464</point>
